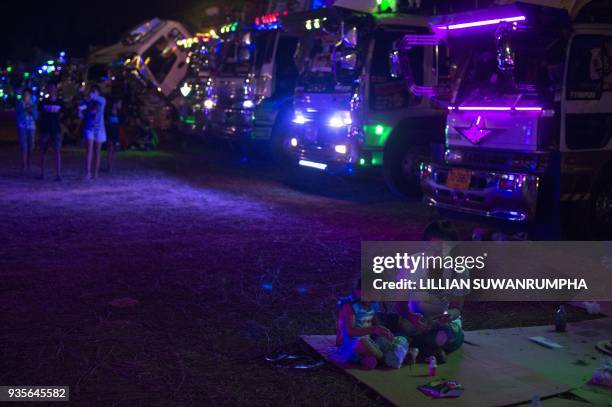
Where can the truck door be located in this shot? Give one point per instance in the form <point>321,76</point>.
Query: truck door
<point>586,127</point>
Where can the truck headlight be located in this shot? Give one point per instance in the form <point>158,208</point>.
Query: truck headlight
<point>340,148</point>
<point>340,119</point>
<point>209,104</point>
<point>299,118</point>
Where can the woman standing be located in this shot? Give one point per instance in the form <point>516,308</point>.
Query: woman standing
<point>94,131</point>
<point>27,114</point>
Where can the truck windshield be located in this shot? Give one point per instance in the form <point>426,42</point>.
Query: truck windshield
<point>521,70</point>
<point>160,57</point>
<point>386,92</point>
<point>235,57</point>
<point>315,56</point>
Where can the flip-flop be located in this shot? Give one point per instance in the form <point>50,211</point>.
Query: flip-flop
<point>605,346</point>
<point>286,361</point>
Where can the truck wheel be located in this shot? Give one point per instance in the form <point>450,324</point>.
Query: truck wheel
<point>602,207</point>
<point>280,138</point>
<point>401,166</point>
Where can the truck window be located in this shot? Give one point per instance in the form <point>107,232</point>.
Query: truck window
<point>589,75</point>
<point>286,69</point>
<point>586,68</point>
<point>386,92</point>
<point>264,48</point>
<point>160,58</point>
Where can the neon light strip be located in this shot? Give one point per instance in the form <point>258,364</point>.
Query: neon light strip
<point>312,164</point>
<point>496,108</point>
<point>528,109</point>
<point>410,39</point>
<point>481,23</point>
<point>485,108</point>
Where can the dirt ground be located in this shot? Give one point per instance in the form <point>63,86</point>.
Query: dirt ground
<point>226,260</point>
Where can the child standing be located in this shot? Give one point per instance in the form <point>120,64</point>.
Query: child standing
<point>113,120</point>
<point>27,114</point>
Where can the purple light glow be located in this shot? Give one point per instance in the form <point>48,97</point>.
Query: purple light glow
<point>481,23</point>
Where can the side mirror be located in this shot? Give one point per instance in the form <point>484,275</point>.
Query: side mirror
<point>505,52</point>
<point>350,38</point>
<point>244,54</point>
<point>395,67</point>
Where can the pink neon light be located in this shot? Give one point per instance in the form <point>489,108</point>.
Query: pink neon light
<point>481,23</point>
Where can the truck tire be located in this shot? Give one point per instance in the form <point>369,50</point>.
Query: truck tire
<point>401,161</point>
<point>601,205</point>
<point>280,138</point>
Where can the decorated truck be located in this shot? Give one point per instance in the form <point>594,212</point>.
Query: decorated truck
<point>146,66</point>
<point>350,112</point>
<point>253,84</point>
<point>195,89</point>
<point>529,127</point>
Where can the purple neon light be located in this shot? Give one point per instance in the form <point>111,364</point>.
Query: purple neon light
<point>481,23</point>
<point>528,109</point>
<point>496,108</point>
<point>485,108</point>
<point>411,39</point>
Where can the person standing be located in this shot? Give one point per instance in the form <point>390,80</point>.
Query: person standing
<point>27,114</point>
<point>114,120</point>
<point>52,110</point>
<point>94,131</point>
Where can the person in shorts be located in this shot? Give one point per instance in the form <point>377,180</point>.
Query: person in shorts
<point>94,130</point>
<point>27,114</point>
<point>51,112</point>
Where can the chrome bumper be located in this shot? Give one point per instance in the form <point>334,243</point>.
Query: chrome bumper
<point>488,194</point>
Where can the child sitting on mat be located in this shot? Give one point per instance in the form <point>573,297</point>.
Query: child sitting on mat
<point>357,323</point>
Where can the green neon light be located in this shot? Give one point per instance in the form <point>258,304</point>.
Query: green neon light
<point>362,161</point>
<point>234,26</point>
<point>377,158</point>
<point>188,119</point>
<point>386,6</point>
<point>9,69</point>
<point>26,74</point>
<point>376,135</point>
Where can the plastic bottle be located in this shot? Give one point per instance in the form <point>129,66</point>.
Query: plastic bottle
<point>433,366</point>
<point>560,319</point>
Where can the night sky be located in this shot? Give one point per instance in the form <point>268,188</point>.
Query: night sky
<point>73,25</point>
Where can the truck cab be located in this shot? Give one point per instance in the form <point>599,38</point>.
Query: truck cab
<point>151,51</point>
<point>350,113</point>
<point>148,61</point>
<point>253,83</point>
<point>528,132</point>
